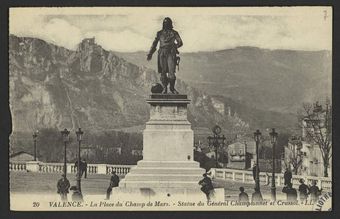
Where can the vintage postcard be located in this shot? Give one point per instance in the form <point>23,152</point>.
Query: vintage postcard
<point>170,108</point>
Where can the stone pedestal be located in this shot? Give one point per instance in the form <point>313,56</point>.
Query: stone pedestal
<point>32,166</point>
<point>167,168</point>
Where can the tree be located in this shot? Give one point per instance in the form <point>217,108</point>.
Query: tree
<point>50,145</point>
<point>316,123</point>
<point>295,155</point>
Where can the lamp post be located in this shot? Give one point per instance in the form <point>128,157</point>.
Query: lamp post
<point>79,138</point>
<point>216,140</point>
<point>35,135</point>
<point>273,139</point>
<point>245,155</point>
<point>257,137</point>
<point>65,134</point>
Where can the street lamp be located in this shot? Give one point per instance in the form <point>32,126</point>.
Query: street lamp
<point>35,135</point>
<point>245,155</point>
<point>65,136</point>
<point>216,140</point>
<point>257,138</point>
<point>273,140</point>
<point>79,138</point>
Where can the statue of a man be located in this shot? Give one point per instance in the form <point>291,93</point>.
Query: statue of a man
<point>169,42</point>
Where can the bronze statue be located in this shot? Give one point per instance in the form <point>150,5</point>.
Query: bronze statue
<point>169,42</point>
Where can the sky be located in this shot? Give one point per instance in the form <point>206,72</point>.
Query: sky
<point>201,29</point>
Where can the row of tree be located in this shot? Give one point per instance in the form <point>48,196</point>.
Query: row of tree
<point>50,146</point>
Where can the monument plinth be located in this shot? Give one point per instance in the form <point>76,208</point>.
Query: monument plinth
<point>168,170</point>
<point>167,147</point>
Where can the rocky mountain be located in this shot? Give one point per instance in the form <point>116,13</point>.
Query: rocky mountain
<point>274,80</point>
<point>92,88</point>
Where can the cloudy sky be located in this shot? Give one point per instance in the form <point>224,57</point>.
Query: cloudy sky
<point>202,29</point>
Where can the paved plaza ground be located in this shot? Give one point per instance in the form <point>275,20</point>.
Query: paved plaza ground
<point>25,182</point>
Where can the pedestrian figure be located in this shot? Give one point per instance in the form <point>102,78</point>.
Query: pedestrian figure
<point>114,182</point>
<point>287,176</point>
<point>62,187</point>
<point>243,196</point>
<point>290,192</point>
<point>314,191</point>
<point>303,191</point>
<point>169,42</point>
<point>256,196</point>
<point>77,195</point>
<point>207,186</point>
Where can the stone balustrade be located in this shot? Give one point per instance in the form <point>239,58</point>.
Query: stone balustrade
<point>17,166</point>
<point>120,169</point>
<point>225,174</point>
<point>265,178</point>
<point>71,168</point>
<point>51,167</point>
<point>92,169</point>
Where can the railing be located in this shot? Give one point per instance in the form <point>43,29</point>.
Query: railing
<point>71,168</point>
<point>51,167</point>
<point>17,166</point>
<point>120,169</point>
<point>225,174</point>
<point>92,169</point>
<point>265,178</point>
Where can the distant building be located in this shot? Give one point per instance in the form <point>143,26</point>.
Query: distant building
<point>236,155</point>
<point>308,152</point>
<point>89,40</point>
<point>240,154</point>
<point>21,156</point>
<point>312,162</point>
<point>218,105</point>
<point>310,157</point>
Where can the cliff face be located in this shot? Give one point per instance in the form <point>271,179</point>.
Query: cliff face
<point>275,80</point>
<point>53,87</point>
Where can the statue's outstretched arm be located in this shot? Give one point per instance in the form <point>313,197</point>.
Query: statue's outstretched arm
<point>153,47</point>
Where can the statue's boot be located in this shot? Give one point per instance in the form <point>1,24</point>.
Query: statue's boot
<point>164,81</point>
<point>172,86</point>
<point>165,89</point>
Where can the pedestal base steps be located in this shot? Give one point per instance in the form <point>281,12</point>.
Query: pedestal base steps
<point>167,174</point>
